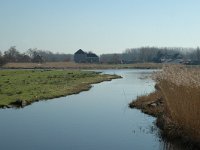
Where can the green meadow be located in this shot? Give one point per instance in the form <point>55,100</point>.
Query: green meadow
<point>34,85</point>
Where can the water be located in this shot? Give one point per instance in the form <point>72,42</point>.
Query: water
<point>98,119</point>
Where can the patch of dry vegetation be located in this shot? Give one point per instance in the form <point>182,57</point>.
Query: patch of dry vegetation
<point>72,65</point>
<point>180,87</point>
<point>176,103</point>
<point>151,104</point>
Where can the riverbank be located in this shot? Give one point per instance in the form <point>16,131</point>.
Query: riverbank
<point>176,104</point>
<point>72,65</point>
<point>151,104</point>
<point>19,88</point>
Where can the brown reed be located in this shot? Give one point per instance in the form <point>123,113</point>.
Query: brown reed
<point>180,87</point>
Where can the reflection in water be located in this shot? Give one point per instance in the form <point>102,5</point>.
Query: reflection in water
<point>93,120</point>
<point>166,145</point>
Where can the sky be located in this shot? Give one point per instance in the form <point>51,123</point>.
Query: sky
<point>101,26</point>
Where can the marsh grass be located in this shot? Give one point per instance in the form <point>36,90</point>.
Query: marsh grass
<point>151,104</point>
<point>33,85</point>
<point>72,65</point>
<point>180,87</point>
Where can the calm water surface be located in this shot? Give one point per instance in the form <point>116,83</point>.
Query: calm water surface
<point>98,119</point>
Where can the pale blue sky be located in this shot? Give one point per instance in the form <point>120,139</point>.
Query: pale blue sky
<point>101,26</point>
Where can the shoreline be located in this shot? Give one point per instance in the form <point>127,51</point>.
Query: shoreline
<point>154,105</point>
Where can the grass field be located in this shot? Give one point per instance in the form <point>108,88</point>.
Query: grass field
<point>72,65</point>
<point>32,85</point>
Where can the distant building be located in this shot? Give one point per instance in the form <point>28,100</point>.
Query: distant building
<point>80,56</point>
<point>92,58</point>
<point>83,57</point>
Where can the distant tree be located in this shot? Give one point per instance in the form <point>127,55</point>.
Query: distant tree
<point>152,54</point>
<point>31,52</point>
<point>158,57</point>
<point>11,55</point>
<point>198,54</point>
<point>65,57</point>
<point>111,58</point>
<point>24,58</point>
<point>116,59</point>
<point>48,56</point>
<point>35,56</point>
<point>2,60</point>
<point>37,59</point>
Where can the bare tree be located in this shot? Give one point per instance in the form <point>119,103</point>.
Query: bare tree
<point>11,55</point>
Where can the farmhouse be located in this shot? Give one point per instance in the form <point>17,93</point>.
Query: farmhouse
<point>83,57</point>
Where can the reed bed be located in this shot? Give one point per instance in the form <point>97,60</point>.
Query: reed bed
<point>180,87</point>
<point>72,65</point>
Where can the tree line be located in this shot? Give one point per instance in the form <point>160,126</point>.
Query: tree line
<point>132,55</point>
<point>32,55</point>
<point>153,54</point>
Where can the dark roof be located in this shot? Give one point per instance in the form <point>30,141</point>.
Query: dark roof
<point>91,55</point>
<point>80,51</point>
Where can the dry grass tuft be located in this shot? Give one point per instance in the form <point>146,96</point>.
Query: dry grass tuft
<point>151,104</point>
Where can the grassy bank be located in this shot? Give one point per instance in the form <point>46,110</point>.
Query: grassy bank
<point>179,89</point>
<point>72,65</point>
<point>22,87</point>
